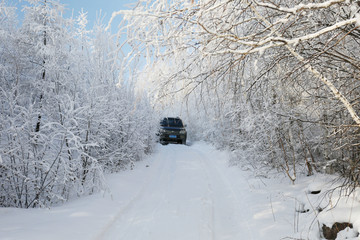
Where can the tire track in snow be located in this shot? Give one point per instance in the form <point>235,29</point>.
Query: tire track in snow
<point>163,175</point>
<point>131,203</point>
<point>224,198</point>
<point>207,226</point>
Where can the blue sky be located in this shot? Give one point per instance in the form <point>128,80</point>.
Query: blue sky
<point>93,7</point>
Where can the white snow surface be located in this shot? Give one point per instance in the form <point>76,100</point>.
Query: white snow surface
<point>179,192</point>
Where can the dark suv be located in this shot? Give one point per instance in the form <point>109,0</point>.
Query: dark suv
<point>172,130</point>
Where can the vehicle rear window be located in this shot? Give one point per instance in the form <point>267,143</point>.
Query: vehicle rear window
<point>171,122</point>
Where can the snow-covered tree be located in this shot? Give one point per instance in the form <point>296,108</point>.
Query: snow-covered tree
<point>280,77</point>
<point>63,120</point>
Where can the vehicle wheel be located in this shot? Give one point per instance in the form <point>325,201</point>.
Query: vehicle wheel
<point>183,142</point>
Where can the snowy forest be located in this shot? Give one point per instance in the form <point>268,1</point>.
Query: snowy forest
<point>63,120</point>
<point>275,82</point>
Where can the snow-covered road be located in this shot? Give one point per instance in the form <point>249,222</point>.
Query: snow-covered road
<point>185,196</point>
<point>180,192</point>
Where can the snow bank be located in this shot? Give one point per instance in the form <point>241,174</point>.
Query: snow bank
<point>342,209</point>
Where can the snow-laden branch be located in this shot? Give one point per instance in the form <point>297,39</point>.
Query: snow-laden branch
<point>159,14</point>
<point>216,28</point>
<point>316,73</point>
<point>271,41</point>
<point>300,7</point>
<point>282,39</point>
